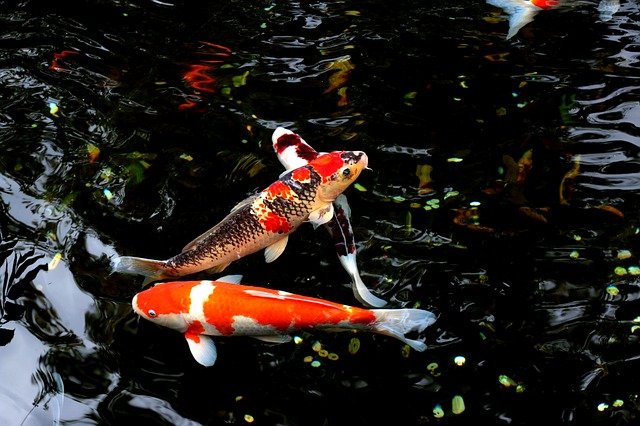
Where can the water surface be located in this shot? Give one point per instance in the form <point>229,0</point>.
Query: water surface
<point>503,196</point>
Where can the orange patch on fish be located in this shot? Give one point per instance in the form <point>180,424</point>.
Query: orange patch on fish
<point>302,174</point>
<point>279,189</point>
<point>165,305</point>
<point>275,309</point>
<point>194,331</point>
<point>275,223</point>
<point>327,164</point>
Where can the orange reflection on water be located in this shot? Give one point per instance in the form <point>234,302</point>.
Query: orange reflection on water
<point>55,63</point>
<point>199,76</point>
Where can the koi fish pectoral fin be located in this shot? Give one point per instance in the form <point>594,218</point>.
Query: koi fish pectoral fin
<point>274,251</point>
<point>202,348</point>
<point>321,216</point>
<point>274,339</point>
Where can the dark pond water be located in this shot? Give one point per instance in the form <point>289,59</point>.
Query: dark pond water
<point>503,196</point>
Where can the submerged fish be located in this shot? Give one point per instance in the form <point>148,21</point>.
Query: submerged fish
<point>262,221</point>
<point>200,309</point>
<point>293,152</point>
<point>521,12</point>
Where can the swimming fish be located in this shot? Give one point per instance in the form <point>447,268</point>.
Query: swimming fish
<point>293,151</point>
<point>521,12</point>
<point>201,309</point>
<point>262,221</point>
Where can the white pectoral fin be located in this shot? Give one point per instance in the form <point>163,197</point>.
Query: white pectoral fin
<point>321,216</point>
<point>202,348</point>
<point>274,251</point>
<point>230,279</point>
<point>274,339</point>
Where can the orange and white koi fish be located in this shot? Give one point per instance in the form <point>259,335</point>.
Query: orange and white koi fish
<point>200,309</point>
<point>293,151</point>
<point>521,12</point>
<point>262,221</point>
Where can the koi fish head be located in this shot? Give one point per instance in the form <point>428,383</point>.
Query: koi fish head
<point>338,170</point>
<point>165,305</point>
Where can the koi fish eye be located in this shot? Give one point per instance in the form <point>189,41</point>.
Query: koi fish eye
<point>152,313</point>
<point>346,173</point>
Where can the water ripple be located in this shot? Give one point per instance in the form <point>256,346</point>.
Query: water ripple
<point>626,112</point>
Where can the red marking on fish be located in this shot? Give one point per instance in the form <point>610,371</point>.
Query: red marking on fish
<point>195,330</point>
<point>545,4</point>
<point>281,190</point>
<point>275,223</point>
<point>301,174</point>
<point>326,165</point>
<point>285,141</point>
<point>302,149</point>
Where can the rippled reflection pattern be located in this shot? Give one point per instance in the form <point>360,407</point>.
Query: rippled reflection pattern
<point>502,195</point>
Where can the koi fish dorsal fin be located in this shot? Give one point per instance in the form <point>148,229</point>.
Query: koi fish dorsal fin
<point>321,216</point>
<point>274,339</point>
<point>230,279</point>
<point>244,203</point>
<point>202,348</point>
<point>274,251</point>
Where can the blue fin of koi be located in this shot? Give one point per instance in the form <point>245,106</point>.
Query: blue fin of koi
<point>321,216</point>
<point>202,348</point>
<point>274,251</point>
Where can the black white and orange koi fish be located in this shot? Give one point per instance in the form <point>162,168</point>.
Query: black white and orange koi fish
<point>200,309</point>
<point>262,221</point>
<point>293,151</point>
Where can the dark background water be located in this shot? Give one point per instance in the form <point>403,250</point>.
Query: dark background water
<point>165,113</point>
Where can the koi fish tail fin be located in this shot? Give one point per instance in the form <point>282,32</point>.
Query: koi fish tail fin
<point>138,266</point>
<point>364,295</point>
<point>520,13</point>
<point>398,322</point>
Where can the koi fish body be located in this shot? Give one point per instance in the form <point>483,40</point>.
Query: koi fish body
<point>263,221</point>
<point>200,309</point>
<point>294,152</point>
